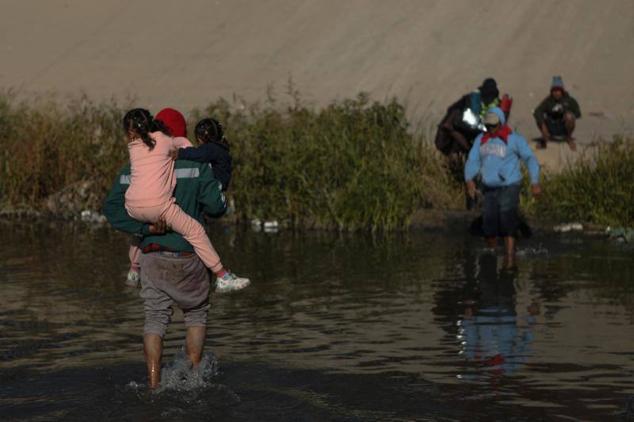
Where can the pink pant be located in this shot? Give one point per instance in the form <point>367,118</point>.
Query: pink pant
<point>181,223</point>
<point>134,254</point>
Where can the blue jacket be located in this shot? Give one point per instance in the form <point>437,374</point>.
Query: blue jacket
<point>498,162</point>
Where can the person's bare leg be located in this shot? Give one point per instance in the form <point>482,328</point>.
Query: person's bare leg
<point>570,123</point>
<point>195,341</point>
<point>545,134</point>
<point>153,349</point>
<point>509,252</point>
<point>491,242</point>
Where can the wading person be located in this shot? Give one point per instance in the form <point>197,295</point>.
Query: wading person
<point>152,180</point>
<point>557,114</point>
<point>171,273</point>
<point>495,157</point>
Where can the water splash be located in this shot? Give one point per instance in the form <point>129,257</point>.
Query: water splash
<point>499,251</point>
<point>539,250</point>
<point>185,391</point>
<point>178,375</point>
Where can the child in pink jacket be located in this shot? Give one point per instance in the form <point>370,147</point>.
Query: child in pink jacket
<point>175,123</point>
<point>152,181</point>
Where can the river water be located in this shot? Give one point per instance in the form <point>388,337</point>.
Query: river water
<point>423,326</point>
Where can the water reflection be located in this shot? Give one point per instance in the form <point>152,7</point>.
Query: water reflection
<point>491,333</point>
<point>347,324</point>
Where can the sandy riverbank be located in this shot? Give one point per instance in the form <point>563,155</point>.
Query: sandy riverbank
<point>427,53</point>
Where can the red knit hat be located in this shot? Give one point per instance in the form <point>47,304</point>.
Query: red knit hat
<point>174,121</point>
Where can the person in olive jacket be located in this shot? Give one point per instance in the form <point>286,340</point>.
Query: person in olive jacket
<point>556,115</point>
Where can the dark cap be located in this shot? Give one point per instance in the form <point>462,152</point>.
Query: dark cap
<point>489,90</point>
<point>557,83</point>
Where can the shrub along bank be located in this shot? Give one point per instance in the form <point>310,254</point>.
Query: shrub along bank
<point>354,164</point>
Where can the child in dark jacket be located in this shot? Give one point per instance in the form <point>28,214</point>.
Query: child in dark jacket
<point>213,149</point>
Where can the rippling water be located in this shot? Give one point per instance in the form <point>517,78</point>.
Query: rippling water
<point>422,326</point>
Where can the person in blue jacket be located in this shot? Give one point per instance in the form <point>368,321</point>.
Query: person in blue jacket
<point>495,157</point>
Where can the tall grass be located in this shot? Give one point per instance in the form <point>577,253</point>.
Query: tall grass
<point>47,146</point>
<point>597,189</point>
<point>351,165</point>
<point>354,164</point>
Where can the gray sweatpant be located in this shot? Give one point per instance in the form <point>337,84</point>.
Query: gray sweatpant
<point>168,279</point>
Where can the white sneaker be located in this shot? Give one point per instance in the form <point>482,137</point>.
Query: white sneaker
<point>231,282</point>
<point>133,279</point>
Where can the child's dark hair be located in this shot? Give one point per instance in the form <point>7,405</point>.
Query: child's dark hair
<point>210,130</point>
<point>141,122</point>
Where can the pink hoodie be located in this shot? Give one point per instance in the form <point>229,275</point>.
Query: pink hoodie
<point>152,178</point>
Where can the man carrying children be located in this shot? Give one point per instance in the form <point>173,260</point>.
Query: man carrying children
<point>171,273</point>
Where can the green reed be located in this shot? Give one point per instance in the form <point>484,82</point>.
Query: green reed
<point>351,165</point>
<point>354,164</point>
<point>47,146</point>
<point>597,189</point>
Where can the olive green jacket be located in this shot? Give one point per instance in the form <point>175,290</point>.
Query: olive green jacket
<point>197,192</point>
<point>548,104</point>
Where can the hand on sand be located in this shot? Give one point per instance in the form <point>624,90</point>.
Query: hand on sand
<point>571,144</point>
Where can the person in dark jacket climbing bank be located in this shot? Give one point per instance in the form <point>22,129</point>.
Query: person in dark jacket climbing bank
<point>463,119</point>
